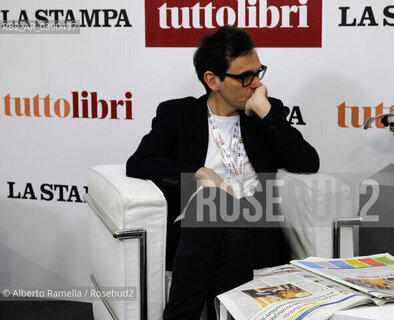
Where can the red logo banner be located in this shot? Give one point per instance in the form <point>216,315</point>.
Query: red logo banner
<point>271,23</point>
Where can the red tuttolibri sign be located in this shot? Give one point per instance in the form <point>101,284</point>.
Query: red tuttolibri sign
<point>271,23</point>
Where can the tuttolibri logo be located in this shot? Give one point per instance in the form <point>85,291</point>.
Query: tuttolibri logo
<point>355,116</point>
<point>279,23</point>
<point>83,105</point>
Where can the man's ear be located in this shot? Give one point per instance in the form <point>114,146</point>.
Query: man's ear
<point>212,80</point>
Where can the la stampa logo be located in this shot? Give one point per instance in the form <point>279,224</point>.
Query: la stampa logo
<point>271,23</point>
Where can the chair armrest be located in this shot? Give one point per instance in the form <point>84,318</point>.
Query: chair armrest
<point>337,224</point>
<point>127,207</point>
<point>128,202</point>
<point>310,203</point>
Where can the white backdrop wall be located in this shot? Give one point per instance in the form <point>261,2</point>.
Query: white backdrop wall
<point>43,240</point>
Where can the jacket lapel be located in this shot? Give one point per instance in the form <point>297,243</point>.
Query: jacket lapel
<point>200,128</point>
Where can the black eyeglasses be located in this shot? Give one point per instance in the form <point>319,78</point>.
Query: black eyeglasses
<point>248,77</point>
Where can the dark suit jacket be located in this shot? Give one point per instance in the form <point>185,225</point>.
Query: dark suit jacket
<point>178,142</point>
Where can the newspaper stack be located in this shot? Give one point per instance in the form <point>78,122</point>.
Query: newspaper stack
<point>313,288</point>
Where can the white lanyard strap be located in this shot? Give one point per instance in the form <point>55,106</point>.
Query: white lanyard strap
<point>233,161</point>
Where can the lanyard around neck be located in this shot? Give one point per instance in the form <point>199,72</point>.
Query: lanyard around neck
<point>232,159</point>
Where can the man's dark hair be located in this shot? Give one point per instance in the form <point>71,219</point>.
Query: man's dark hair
<point>217,50</point>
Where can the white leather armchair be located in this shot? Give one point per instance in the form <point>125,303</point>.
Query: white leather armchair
<point>127,232</point>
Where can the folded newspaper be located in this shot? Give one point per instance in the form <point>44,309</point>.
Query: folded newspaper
<point>313,288</point>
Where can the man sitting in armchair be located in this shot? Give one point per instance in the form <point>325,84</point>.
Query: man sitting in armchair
<point>225,137</point>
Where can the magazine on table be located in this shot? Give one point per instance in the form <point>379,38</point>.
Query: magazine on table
<point>313,288</point>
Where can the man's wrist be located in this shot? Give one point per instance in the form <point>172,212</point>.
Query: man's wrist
<point>263,109</point>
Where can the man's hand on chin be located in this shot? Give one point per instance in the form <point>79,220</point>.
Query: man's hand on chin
<point>258,103</point>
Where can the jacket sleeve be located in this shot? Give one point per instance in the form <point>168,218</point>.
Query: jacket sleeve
<point>294,153</point>
<point>154,158</point>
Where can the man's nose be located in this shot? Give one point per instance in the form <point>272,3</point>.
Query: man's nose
<point>255,83</point>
